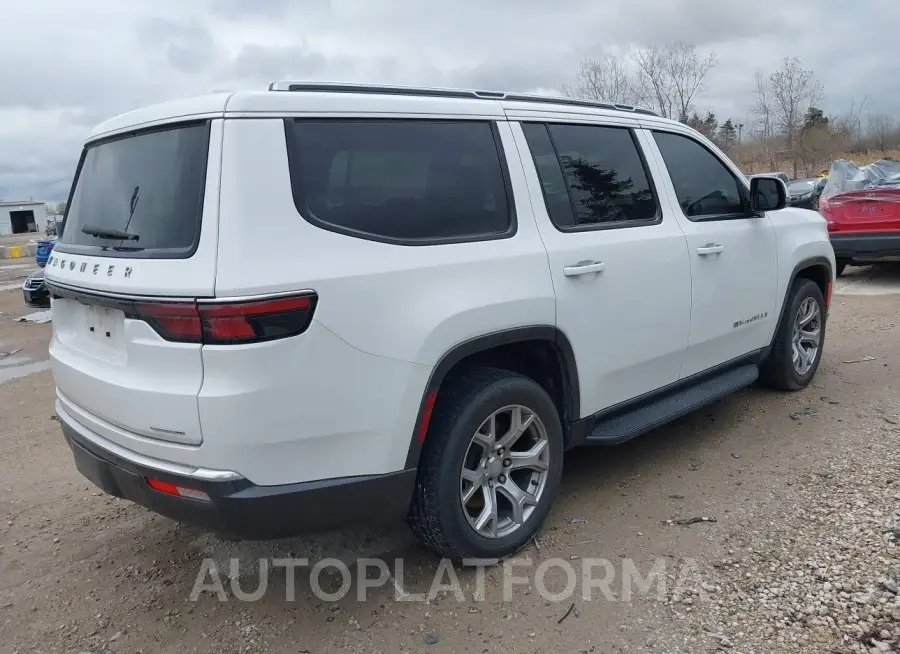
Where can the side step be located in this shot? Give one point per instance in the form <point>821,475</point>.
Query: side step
<point>631,422</point>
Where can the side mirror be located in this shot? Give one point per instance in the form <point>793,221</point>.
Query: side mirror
<point>767,194</point>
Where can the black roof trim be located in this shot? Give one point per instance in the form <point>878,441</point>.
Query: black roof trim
<point>326,87</point>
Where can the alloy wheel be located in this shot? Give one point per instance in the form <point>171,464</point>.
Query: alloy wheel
<point>505,471</point>
<point>806,336</point>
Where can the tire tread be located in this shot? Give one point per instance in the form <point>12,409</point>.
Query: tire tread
<point>452,401</point>
<point>776,371</point>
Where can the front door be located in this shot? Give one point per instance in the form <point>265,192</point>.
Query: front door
<point>620,269</point>
<point>734,263</point>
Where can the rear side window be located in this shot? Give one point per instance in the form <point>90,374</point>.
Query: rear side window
<point>140,195</point>
<point>406,181</point>
<point>705,187</point>
<point>591,175</point>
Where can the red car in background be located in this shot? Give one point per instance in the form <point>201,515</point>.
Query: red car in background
<point>862,207</point>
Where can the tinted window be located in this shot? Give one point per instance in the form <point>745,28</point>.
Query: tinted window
<point>399,180</point>
<point>149,186</point>
<point>556,191</point>
<point>703,185</point>
<point>601,171</point>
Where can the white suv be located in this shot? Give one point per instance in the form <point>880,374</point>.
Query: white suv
<point>287,310</point>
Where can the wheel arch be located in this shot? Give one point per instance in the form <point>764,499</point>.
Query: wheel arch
<point>817,269</point>
<point>474,349</point>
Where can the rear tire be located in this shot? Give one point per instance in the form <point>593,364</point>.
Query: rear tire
<point>793,362</point>
<point>459,459</point>
<point>840,268</point>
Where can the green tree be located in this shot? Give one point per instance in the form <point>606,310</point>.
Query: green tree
<point>727,134</point>
<point>814,118</point>
<point>708,125</point>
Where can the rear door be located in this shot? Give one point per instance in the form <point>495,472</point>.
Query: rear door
<point>139,232</point>
<point>620,269</point>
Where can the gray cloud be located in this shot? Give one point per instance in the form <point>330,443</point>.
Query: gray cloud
<point>266,8</point>
<point>97,59</point>
<point>185,47</point>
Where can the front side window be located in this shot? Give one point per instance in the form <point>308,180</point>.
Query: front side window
<point>705,187</point>
<point>400,180</point>
<point>591,175</point>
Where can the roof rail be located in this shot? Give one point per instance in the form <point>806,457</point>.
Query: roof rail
<point>341,87</point>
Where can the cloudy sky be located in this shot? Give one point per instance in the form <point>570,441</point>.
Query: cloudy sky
<point>68,64</point>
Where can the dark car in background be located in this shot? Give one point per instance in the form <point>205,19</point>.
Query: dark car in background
<point>805,193</point>
<point>35,291</point>
<point>782,176</point>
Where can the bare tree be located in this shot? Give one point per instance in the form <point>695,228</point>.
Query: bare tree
<point>57,209</point>
<point>667,79</point>
<point>762,109</point>
<point>671,78</point>
<point>850,123</point>
<point>793,90</point>
<point>815,147</point>
<point>763,130</point>
<point>606,80</point>
<point>882,128</point>
<point>687,70</point>
<point>653,85</point>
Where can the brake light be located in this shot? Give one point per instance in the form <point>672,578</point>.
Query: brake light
<point>172,321</point>
<point>228,323</point>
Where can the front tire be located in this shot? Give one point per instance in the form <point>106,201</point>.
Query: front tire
<point>490,468</point>
<point>799,339</point>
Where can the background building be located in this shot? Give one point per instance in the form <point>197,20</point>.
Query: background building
<point>22,217</point>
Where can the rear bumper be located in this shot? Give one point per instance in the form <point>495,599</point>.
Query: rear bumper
<point>865,246</point>
<point>240,509</point>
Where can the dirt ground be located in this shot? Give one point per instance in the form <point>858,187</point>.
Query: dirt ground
<point>800,553</point>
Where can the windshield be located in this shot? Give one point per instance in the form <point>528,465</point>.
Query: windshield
<point>141,195</point>
<point>801,186</point>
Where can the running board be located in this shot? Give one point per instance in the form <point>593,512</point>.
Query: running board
<point>622,427</point>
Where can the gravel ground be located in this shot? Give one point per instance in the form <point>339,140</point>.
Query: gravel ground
<point>800,554</point>
<point>823,573</point>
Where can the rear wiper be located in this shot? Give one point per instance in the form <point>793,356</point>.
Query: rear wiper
<point>102,232</point>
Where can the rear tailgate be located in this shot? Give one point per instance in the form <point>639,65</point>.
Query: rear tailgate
<point>140,231</point>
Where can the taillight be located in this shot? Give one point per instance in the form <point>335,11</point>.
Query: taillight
<point>173,321</point>
<point>263,320</point>
<point>228,323</point>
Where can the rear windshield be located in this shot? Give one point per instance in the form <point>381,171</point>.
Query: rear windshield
<point>406,181</point>
<point>140,196</point>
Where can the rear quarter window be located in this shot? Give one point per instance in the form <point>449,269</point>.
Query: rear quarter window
<point>147,185</point>
<point>401,181</point>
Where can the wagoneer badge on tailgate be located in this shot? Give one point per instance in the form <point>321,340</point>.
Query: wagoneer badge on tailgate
<point>56,261</point>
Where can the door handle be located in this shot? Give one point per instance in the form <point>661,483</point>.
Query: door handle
<point>710,248</point>
<point>584,268</point>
